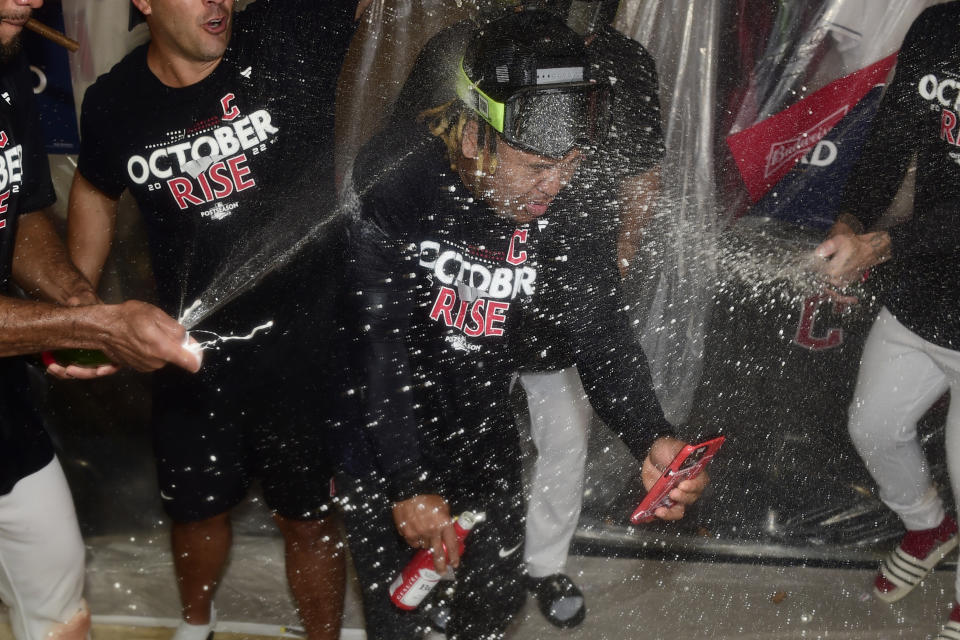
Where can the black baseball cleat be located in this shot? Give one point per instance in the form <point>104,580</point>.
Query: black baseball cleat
<point>561,602</point>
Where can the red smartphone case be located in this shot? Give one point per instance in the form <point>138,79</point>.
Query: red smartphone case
<point>687,464</point>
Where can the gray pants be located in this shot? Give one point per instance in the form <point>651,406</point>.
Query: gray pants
<point>901,376</point>
<point>560,416</point>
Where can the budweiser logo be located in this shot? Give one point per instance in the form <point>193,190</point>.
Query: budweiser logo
<point>788,151</point>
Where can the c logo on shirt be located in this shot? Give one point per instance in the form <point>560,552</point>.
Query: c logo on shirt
<point>230,111</point>
<point>3,139</point>
<point>515,257</point>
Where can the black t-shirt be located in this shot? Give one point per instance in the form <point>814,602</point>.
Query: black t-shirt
<point>234,170</point>
<point>25,186</point>
<point>919,117</point>
<point>439,282</point>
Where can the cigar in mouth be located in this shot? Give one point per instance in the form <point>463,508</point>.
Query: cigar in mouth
<point>52,35</point>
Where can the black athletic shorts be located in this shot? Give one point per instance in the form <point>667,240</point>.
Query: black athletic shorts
<point>238,419</point>
<point>489,587</point>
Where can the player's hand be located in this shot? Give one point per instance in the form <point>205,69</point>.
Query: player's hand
<point>846,256</point>
<point>424,522</point>
<point>661,454</point>
<point>141,336</point>
<point>77,372</point>
<point>82,296</point>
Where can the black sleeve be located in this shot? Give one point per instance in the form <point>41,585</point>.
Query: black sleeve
<point>382,277</point>
<point>893,139</point>
<point>612,365</point>
<point>37,190</point>
<point>98,162</point>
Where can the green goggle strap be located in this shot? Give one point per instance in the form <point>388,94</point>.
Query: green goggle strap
<point>488,108</point>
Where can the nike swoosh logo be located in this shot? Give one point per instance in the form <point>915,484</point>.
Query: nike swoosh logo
<point>165,496</point>
<point>507,552</point>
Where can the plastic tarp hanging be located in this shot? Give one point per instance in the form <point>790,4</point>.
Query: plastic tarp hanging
<point>781,357</point>
<point>384,49</point>
<point>102,27</point>
<point>803,116</point>
<point>682,37</point>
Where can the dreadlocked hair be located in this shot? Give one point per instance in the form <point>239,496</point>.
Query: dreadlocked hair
<point>448,121</point>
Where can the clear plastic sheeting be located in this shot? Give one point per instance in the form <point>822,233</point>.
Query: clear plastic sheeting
<point>385,46</point>
<point>812,43</point>
<point>682,37</point>
<point>103,30</point>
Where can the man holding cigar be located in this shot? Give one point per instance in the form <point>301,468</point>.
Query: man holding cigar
<point>221,127</point>
<point>41,551</point>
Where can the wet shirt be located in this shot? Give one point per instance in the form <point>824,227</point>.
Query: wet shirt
<point>919,118</point>
<point>590,208</point>
<point>25,186</point>
<point>439,281</point>
<point>234,169</point>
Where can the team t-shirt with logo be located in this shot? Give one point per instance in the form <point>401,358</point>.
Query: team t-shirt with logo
<point>919,118</point>
<point>231,171</point>
<point>439,281</point>
<point>25,186</point>
<point>590,206</point>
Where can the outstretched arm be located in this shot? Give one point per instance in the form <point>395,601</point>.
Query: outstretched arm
<point>638,197</point>
<point>91,222</point>
<point>41,266</point>
<point>617,379</point>
<point>133,334</point>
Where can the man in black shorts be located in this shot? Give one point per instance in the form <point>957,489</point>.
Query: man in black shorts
<point>41,550</point>
<point>222,128</point>
<point>445,256</point>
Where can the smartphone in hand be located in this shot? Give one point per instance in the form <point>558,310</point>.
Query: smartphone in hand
<point>687,464</point>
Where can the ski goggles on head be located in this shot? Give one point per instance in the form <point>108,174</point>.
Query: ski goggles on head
<point>547,119</point>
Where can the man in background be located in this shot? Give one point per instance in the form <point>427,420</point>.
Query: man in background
<point>606,207</point>
<point>221,127</point>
